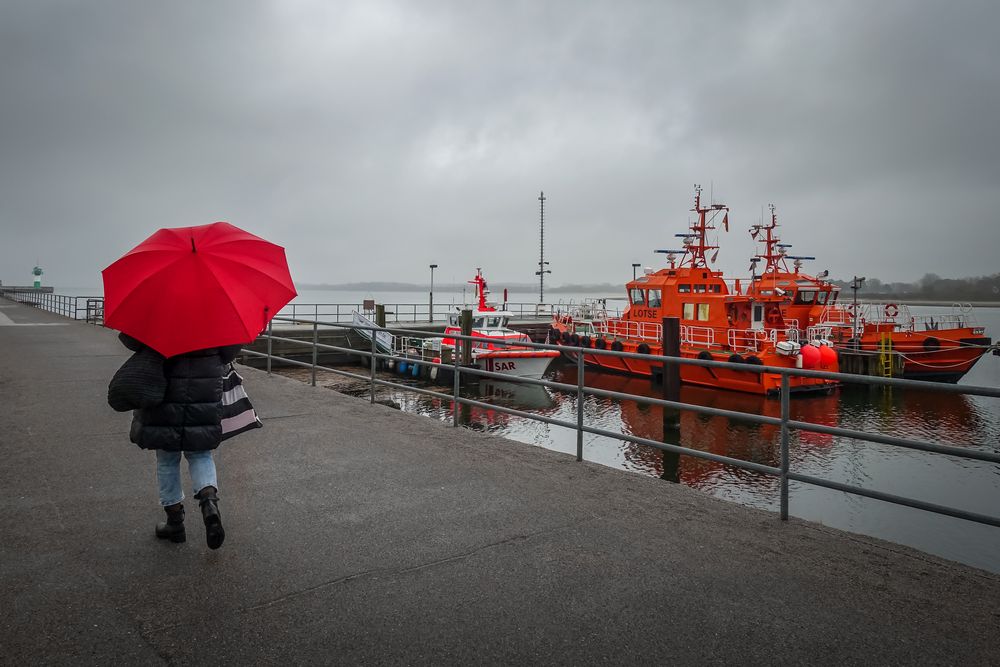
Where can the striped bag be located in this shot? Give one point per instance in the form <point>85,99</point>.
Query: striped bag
<point>238,414</point>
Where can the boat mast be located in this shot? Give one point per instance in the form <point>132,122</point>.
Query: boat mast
<point>481,289</point>
<point>696,242</point>
<point>774,252</point>
<point>541,250</point>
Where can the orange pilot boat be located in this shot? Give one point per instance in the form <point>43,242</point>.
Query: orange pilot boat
<point>938,347</point>
<point>715,324</point>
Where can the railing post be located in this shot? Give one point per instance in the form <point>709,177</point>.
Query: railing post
<point>579,405</point>
<point>465,322</point>
<point>315,349</point>
<point>785,410</point>
<point>670,340</point>
<point>270,340</point>
<point>455,389</point>
<point>374,338</point>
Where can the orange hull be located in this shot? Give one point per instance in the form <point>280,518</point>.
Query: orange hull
<point>717,378</point>
<point>942,355</point>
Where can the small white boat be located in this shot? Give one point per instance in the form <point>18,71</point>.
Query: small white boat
<point>498,357</point>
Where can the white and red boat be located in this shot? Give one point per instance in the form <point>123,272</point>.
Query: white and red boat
<point>503,354</point>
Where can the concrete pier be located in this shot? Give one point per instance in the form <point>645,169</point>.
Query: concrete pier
<point>360,534</point>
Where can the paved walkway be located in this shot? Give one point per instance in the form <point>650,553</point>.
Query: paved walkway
<point>359,534</point>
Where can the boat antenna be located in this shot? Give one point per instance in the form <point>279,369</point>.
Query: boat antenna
<point>541,249</point>
<point>696,243</point>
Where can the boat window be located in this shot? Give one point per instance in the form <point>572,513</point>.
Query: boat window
<point>683,289</point>
<point>805,296</point>
<point>700,289</point>
<point>833,297</point>
<point>654,298</point>
<point>493,322</point>
<point>688,311</point>
<point>637,296</point>
<point>703,312</point>
<point>821,298</point>
<point>715,288</point>
<point>453,320</point>
<point>477,323</point>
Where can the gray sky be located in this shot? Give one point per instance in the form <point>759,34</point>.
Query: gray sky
<point>373,138</point>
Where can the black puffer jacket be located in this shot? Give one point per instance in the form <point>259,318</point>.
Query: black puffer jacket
<point>190,416</point>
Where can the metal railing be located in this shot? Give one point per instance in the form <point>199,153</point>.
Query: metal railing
<point>339,313</point>
<point>785,423</point>
<point>87,308</point>
<point>91,308</point>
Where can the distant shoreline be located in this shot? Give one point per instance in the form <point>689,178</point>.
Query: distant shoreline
<point>593,291</point>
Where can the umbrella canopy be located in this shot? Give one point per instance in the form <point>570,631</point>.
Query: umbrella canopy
<point>191,288</point>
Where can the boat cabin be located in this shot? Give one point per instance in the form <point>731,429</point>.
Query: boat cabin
<point>699,298</point>
<point>496,319</point>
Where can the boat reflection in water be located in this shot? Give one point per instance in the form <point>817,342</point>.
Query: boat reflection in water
<point>758,443</point>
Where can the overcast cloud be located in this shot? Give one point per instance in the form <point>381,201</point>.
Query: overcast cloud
<point>373,138</point>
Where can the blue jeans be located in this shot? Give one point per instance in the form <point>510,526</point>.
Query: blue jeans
<point>201,465</point>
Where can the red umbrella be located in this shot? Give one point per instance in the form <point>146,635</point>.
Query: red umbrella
<point>190,288</point>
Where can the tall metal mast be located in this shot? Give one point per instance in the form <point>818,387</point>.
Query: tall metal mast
<point>541,250</point>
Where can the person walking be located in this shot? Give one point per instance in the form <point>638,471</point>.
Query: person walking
<point>177,411</point>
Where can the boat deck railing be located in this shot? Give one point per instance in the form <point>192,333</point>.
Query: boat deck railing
<point>783,471</point>
<point>898,316</point>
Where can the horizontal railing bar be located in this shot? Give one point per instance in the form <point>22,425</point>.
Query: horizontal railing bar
<point>949,450</point>
<point>898,500</point>
<point>679,449</point>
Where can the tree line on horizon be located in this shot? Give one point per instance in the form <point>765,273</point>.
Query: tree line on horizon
<point>931,287</point>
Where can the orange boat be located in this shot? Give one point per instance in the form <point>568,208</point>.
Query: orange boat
<point>940,348</point>
<point>715,324</point>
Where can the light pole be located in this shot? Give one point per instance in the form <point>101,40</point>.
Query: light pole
<point>634,267</point>
<point>430,308</point>
<point>541,250</point>
<point>856,285</point>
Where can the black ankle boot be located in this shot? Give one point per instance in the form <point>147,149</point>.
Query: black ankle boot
<point>209,502</point>
<point>173,529</point>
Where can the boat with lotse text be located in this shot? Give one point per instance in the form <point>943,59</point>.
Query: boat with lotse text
<point>715,323</point>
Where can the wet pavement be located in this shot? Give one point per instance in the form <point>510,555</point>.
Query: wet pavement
<point>360,534</point>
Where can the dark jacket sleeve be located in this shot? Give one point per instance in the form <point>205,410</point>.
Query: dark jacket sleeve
<point>130,343</point>
<point>139,383</point>
<point>229,353</point>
